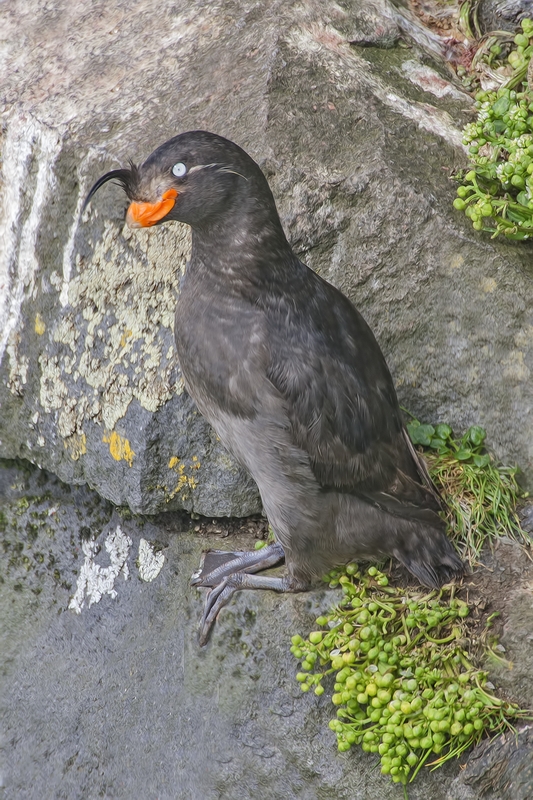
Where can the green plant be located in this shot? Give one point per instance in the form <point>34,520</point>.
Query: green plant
<point>404,688</point>
<point>480,496</point>
<point>264,542</point>
<point>497,190</point>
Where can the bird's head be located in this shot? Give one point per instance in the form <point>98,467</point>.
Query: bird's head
<point>194,178</point>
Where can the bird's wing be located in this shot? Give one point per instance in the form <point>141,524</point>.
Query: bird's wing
<point>340,398</point>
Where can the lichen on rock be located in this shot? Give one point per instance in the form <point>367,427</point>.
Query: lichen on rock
<point>117,307</point>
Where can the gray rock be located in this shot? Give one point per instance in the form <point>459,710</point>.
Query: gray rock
<point>105,693</point>
<point>502,15</point>
<point>358,144</point>
<point>502,769</point>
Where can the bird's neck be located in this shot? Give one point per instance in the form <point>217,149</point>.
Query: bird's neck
<point>250,243</point>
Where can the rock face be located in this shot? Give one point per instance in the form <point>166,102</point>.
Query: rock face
<point>104,691</point>
<point>358,142</point>
<point>498,15</point>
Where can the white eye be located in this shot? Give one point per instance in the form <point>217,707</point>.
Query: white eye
<point>179,170</point>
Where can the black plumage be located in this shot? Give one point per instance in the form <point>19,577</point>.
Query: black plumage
<point>290,376</point>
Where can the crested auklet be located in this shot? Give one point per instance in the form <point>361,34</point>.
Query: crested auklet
<point>291,378</point>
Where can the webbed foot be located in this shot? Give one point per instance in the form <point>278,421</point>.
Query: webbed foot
<point>217,564</point>
<point>223,591</point>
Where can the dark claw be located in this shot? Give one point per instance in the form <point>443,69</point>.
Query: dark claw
<point>215,600</point>
<point>221,594</point>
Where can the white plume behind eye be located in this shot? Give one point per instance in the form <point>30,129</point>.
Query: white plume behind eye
<point>179,170</point>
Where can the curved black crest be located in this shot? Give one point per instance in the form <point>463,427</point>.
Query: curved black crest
<point>128,179</point>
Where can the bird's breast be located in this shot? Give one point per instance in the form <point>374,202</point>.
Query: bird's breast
<point>221,342</point>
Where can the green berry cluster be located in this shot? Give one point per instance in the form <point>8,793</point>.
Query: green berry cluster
<point>519,58</point>
<point>497,192</point>
<point>404,687</point>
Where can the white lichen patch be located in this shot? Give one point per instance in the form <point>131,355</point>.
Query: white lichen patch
<point>53,390</point>
<point>94,581</point>
<point>429,80</point>
<point>18,366</point>
<point>150,561</point>
<point>76,445</point>
<point>113,328</point>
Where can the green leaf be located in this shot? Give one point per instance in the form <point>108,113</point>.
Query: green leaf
<point>501,106</point>
<point>523,199</point>
<point>481,461</point>
<point>443,431</point>
<point>463,455</point>
<point>437,443</point>
<point>476,434</point>
<point>515,215</point>
<point>422,434</point>
<point>411,428</point>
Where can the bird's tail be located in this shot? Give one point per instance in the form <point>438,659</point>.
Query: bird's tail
<point>429,555</point>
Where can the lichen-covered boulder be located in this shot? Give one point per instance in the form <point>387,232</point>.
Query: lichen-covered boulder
<point>357,133</point>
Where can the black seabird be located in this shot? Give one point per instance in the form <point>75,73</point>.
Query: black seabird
<point>291,378</point>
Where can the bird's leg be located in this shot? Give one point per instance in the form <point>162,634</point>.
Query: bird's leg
<point>217,565</point>
<point>221,594</point>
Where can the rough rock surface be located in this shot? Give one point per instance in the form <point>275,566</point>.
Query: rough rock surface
<point>358,141</point>
<point>498,15</point>
<point>117,700</point>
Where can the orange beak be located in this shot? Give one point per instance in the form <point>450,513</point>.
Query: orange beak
<point>142,215</point>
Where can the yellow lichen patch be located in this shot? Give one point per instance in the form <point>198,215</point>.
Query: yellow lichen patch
<point>185,481</point>
<point>524,337</point>
<point>514,367</point>
<point>119,447</point>
<point>76,445</point>
<point>124,338</point>
<point>456,262</point>
<point>488,285</point>
<point>39,326</point>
